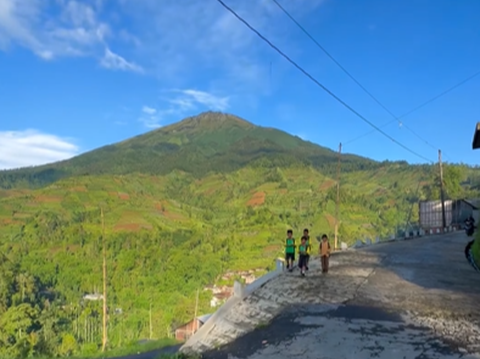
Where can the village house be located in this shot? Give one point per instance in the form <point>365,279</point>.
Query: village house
<point>247,276</point>
<point>220,298</point>
<point>221,293</point>
<point>93,297</point>
<point>185,331</point>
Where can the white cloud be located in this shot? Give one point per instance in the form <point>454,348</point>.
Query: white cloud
<point>149,110</point>
<point>150,117</point>
<point>191,99</point>
<point>173,40</point>
<point>182,103</point>
<point>31,148</point>
<point>150,122</point>
<point>129,38</point>
<point>113,61</point>
<point>59,28</point>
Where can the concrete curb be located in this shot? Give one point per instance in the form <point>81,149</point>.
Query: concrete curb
<point>240,293</point>
<point>205,329</point>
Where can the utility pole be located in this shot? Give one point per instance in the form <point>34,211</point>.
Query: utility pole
<point>104,338</point>
<point>337,204</point>
<point>196,311</point>
<point>442,192</point>
<point>150,315</point>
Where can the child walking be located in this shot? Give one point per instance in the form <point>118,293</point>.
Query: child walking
<point>309,247</point>
<point>324,251</point>
<point>290,250</point>
<point>303,256</point>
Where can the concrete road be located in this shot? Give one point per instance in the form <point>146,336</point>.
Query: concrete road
<point>408,299</point>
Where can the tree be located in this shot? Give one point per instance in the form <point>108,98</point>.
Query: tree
<point>452,181</point>
<point>69,345</point>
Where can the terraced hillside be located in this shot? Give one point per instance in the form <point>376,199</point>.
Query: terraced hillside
<point>183,205</point>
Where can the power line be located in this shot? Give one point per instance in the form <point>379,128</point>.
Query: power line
<point>331,57</point>
<point>418,136</point>
<point>319,84</point>
<point>356,81</point>
<point>420,106</point>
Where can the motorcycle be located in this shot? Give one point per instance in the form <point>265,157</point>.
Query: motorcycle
<point>469,229</point>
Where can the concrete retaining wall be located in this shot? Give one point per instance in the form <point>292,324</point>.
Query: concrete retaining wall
<point>239,293</point>
<point>203,331</point>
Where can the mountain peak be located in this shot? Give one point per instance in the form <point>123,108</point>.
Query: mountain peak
<point>209,120</point>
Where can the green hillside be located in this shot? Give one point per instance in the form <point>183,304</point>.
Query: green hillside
<point>183,205</point>
<point>209,142</point>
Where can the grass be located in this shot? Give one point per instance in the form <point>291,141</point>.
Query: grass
<point>476,250</point>
<point>129,349</point>
<point>135,348</point>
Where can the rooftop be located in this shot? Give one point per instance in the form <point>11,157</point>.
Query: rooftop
<point>476,137</point>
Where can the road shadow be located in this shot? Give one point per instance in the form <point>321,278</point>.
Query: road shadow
<point>323,331</point>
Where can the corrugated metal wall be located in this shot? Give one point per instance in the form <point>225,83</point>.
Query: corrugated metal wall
<point>430,214</point>
<point>456,212</point>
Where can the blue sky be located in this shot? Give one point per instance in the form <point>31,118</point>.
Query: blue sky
<point>77,75</point>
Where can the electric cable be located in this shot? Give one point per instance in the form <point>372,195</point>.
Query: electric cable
<point>397,119</point>
<point>436,97</point>
<point>320,84</point>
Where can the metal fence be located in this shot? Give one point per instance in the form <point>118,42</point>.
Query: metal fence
<point>456,212</point>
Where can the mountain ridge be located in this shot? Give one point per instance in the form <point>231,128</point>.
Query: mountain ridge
<point>208,142</point>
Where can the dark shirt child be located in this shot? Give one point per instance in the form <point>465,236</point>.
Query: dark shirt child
<point>303,255</point>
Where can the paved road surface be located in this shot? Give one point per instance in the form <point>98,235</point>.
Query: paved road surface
<point>409,299</point>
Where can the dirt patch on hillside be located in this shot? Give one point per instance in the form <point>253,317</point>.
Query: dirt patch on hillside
<point>48,199</point>
<point>130,227</point>
<point>272,248</point>
<point>124,196</point>
<point>13,193</point>
<point>331,220</point>
<point>22,215</point>
<point>161,206</point>
<point>79,189</point>
<point>55,250</point>
<point>210,191</point>
<point>72,248</point>
<point>381,192</point>
<point>173,215</point>
<point>326,185</point>
<point>9,221</point>
<point>257,199</point>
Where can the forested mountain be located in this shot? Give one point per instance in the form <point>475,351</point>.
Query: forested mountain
<point>183,205</point>
<point>208,143</point>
